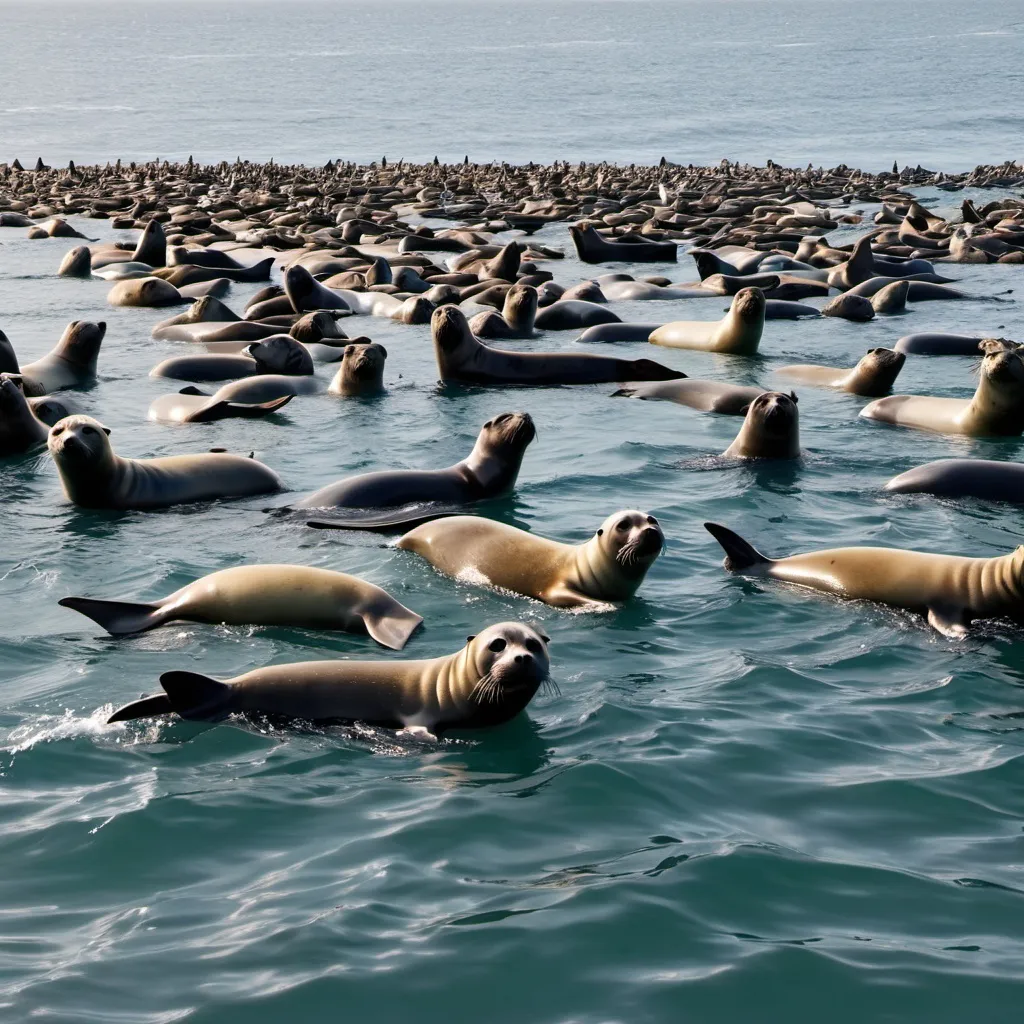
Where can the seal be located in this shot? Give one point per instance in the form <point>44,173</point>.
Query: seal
<point>265,595</point>
<point>486,683</point>
<point>51,408</point>
<point>362,369</point>
<point>850,306</point>
<point>20,429</point>
<point>738,333</point>
<point>951,591</point>
<point>892,298</point>
<point>191,405</point>
<point>963,478</point>
<point>872,377</point>
<point>592,247</point>
<point>996,410</point>
<point>462,357</point>
<point>145,291</point>
<point>8,357</point>
<point>771,429</point>
<point>619,332</point>
<point>939,344</point>
<point>306,294</point>
<point>705,395</point>
<point>517,318</point>
<point>490,470</point>
<point>94,477</point>
<point>574,314</point>
<point>278,354</point>
<point>608,567</point>
<point>76,263</point>
<point>71,363</point>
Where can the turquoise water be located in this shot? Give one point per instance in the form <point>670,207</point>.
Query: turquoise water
<point>747,803</point>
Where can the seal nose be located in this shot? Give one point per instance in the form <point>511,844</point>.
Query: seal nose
<point>524,659</point>
<point>650,540</point>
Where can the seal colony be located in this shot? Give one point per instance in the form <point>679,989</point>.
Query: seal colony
<point>448,252</point>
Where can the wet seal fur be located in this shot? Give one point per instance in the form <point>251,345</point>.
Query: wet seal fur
<point>771,429</point>
<point>872,377</point>
<point>461,357</point>
<point>489,470</point>
<point>93,476</point>
<point>951,591</point>
<point>996,410</point>
<point>265,595</point>
<point>608,567</point>
<point>486,683</point>
<point>738,332</point>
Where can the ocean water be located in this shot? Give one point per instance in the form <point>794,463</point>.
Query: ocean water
<point>936,82</point>
<point>746,803</point>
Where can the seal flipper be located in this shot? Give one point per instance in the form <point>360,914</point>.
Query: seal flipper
<point>949,621</point>
<point>224,410</point>
<point>196,697</point>
<point>191,389</point>
<point>116,617</point>
<point>391,626</point>
<point>147,707</point>
<point>739,554</point>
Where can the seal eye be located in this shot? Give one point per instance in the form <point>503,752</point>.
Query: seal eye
<point>534,646</point>
<point>498,644</point>
<point>58,430</point>
<point>88,430</point>
<point>623,525</point>
<point>652,520</point>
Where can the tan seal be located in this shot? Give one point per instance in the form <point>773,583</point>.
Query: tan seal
<point>705,395</point>
<point>951,591</point>
<point>362,369</point>
<point>265,595</point>
<point>487,682</point>
<point>71,363</point>
<point>771,429</point>
<point>145,291</point>
<point>996,410</point>
<point>873,375</point>
<point>608,567</point>
<point>93,476</point>
<point>738,332</point>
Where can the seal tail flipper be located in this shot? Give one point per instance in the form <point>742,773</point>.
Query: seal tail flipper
<point>391,627</point>
<point>739,554</point>
<point>148,707</point>
<point>243,410</point>
<point>648,369</point>
<point>116,617</point>
<point>196,697</point>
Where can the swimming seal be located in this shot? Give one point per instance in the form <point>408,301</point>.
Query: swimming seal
<point>278,354</point>
<point>963,478</point>
<point>462,357</point>
<point>738,333</point>
<point>939,344</point>
<point>951,591</point>
<point>516,320</point>
<point>608,567</point>
<point>362,369</point>
<point>490,470</point>
<point>265,595</point>
<point>488,682</point>
<point>573,314</point>
<point>872,377</point>
<point>306,294</point>
<point>71,362</point>
<point>592,247</point>
<point>996,410</point>
<point>94,477</point>
<point>705,395</point>
<point>76,263</point>
<point>850,307</point>
<point>892,298</point>
<point>145,291</point>
<point>771,429</point>
<point>20,429</point>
